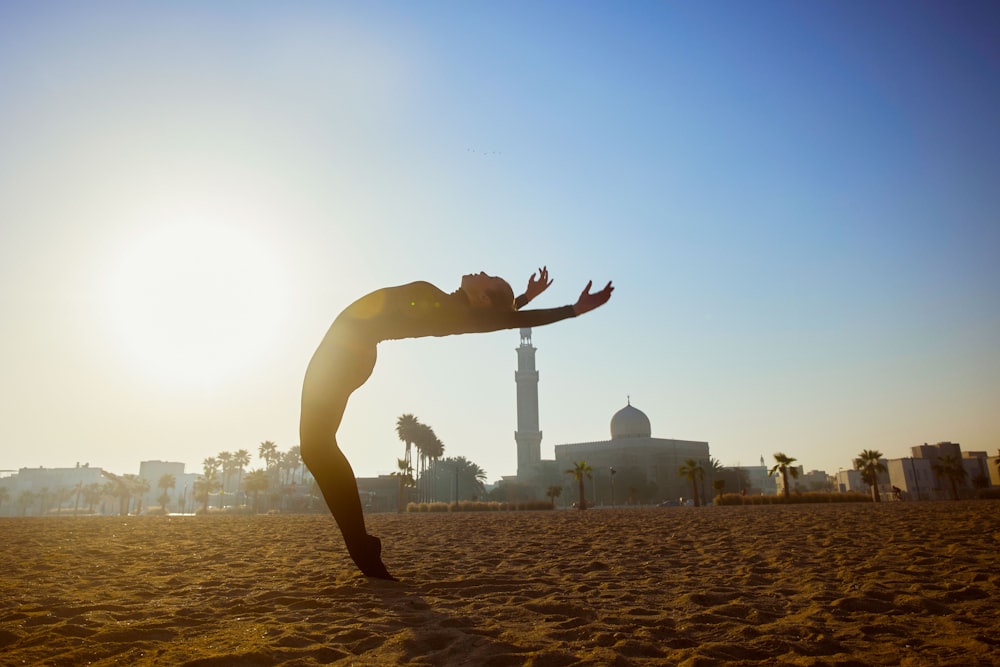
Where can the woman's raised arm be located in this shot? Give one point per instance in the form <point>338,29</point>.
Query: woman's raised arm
<point>587,301</point>
<point>534,288</point>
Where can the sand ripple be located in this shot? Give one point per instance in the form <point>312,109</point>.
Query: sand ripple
<point>894,584</point>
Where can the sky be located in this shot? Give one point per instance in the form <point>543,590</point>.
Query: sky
<point>798,204</point>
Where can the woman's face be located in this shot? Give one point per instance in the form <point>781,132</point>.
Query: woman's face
<point>477,286</point>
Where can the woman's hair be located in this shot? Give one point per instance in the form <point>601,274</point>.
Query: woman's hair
<point>501,296</point>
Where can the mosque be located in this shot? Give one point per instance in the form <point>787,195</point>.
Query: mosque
<point>643,468</point>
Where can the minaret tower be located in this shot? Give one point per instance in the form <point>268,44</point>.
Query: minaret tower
<point>527,435</point>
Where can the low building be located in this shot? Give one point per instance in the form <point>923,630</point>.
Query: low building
<point>914,476</point>
<point>759,481</point>
<point>803,482</point>
<point>180,495</point>
<point>993,467</point>
<point>381,494</point>
<point>851,481</point>
<point>43,490</point>
<point>642,467</point>
<point>977,468</point>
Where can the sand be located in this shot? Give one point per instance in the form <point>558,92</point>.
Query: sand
<point>889,584</point>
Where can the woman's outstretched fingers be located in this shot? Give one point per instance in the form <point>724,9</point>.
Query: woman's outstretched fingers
<point>588,301</point>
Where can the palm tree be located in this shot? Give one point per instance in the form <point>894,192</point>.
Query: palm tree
<point>869,462</point>
<point>719,485</point>
<point>140,487</point>
<point>433,450</point>
<point>424,439</point>
<point>950,468</point>
<point>693,472</point>
<point>294,459</point>
<point>454,477</point>
<point>77,491</point>
<point>4,495</point>
<point>291,460</point>
<point>63,496</point>
<point>580,470</point>
<point>211,463</point>
<point>713,470</point>
<point>407,427</point>
<point>225,460</point>
<point>268,451</point>
<point>241,459</point>
<point>24,500</point>
<point>166,482</point>
<point>122,487</point>
<point>554,492</point>
<point>404,474</point>
<point>784,466</point>
<point>210,466</point>
<point>468,475</point>
<point>424,434</point>
<point>282,466</point>
<point>91,494</point>
<point>205,485</point>
<point>45,497</point>
<point>254,483</point>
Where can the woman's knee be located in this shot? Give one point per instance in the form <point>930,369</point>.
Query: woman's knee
<point>323,455</point>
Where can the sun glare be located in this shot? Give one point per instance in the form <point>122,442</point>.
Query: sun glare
<point>194,305</point>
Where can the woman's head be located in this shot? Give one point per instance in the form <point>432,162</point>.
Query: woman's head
<point>485,291</point>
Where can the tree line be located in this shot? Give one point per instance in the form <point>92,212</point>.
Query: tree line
<point>433,478</point>
<point>869,463</point>
<point>283,474</point>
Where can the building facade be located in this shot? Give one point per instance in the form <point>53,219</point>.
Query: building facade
<point>758,479</point>
<point>916,479</point>
<point>805,482</point>
<point>644,468</point>
<point>642,465</point>
<point>179,496</point>
<point>49,489</point>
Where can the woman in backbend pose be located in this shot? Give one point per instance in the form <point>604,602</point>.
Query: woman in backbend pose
<point>346,356</point>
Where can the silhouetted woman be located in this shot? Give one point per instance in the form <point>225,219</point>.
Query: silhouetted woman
<point>346,356</point>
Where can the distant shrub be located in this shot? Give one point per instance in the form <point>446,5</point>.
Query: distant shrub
<point>479,506</point>
<point>794,499</point>
<point>473,506</point>
<point>532,505</point>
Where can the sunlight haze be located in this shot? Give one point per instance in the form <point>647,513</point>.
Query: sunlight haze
<point>797,203</point>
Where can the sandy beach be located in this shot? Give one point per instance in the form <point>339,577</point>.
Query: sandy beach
<point>853,584</point>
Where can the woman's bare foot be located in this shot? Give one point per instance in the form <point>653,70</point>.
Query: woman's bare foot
<point>367,555</point>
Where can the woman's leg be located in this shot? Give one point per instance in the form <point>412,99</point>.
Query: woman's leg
<point>341,364</point>
<point>336,480</point>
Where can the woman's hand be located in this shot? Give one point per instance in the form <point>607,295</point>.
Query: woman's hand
<point>587,301</point>
<point>535,287</point>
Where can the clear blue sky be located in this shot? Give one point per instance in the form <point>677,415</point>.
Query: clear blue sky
<point>798,204</point>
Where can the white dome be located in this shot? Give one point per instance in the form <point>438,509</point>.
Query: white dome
<point>630,422</point>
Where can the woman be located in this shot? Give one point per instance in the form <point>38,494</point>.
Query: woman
<point>346,356</point>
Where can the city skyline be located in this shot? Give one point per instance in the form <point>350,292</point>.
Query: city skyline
<point>796,204</point>
<point>196,469</point>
